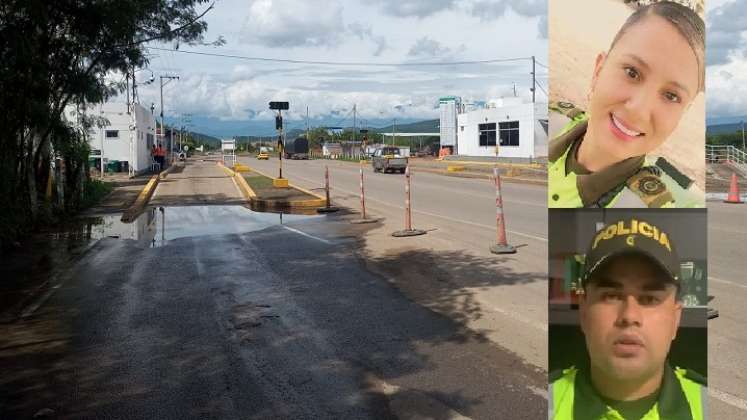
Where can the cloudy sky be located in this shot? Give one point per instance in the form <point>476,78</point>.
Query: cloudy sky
<point>398,40</point>
<point>726,49</point>
<point>394,36</point>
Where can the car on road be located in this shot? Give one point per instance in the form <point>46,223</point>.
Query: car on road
<point>389,159</point>
<point>263,156</point>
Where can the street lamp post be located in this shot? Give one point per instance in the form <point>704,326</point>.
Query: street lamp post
<point>163,132</point>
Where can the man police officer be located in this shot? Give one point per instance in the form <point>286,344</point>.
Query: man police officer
<point>629,312</point>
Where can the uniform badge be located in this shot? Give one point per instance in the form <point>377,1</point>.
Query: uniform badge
<point>651,185</point>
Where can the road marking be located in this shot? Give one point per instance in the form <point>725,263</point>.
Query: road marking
<point>307,235</point>
<point>516,317</point>
<point>451,219</point>
<point>731,283</point>
<point>730,399</point>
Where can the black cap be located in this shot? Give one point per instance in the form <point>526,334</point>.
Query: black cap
<point>632,236</point>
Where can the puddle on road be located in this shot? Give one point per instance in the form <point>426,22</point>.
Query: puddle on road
<point>158,225</point>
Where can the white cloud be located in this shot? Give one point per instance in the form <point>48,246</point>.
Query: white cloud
<point>726,59</point>
<point>231,89</point>
<point>293,23</point>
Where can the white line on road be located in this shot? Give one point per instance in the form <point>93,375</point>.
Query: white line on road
<point>517,317</point>
<point>730,399</point>
<point>526,235</point>
<point>307,235</point>
<point>731,283</point>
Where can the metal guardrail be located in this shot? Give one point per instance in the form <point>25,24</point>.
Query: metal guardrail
<point>727,154</point>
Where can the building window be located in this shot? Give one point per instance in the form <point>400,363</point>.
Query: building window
<point>509,133</point>
<point>487,134</point>
<point>150,140</point>
<point>112,134</point>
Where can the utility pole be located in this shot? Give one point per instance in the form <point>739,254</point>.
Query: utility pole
<point>163,132</point>
<point>394,129</point>
<point>534,80</point>
<point>354,123</point>
<point>743,149</point>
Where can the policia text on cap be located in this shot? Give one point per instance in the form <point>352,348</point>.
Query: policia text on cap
<point>639,91</point>
<point>629,313</point>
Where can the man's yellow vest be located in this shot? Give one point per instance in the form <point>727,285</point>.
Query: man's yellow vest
<point>682,396</point>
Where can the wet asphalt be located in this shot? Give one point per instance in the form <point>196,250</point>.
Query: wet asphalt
<point>269,323</point>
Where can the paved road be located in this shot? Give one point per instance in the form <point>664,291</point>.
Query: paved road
<point>503,297</point>
<point>283,322</point>
<point>727,335</point>
<point>462,210</point>
<point>196,182</point>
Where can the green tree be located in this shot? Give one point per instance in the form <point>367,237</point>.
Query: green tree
<point>55,54</point>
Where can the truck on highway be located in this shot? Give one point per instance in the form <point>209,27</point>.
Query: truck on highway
<point>388,159</point>
<point>296,149</point>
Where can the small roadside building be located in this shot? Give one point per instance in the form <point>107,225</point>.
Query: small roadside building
<point>331,149</point>
<point>518,129</point>
<point>120,140</point>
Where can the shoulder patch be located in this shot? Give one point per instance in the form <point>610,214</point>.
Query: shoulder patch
<point>681,179</point>
<point>647,184</point>
<point>566,108</point>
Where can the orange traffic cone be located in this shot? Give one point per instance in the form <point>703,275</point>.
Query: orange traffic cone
<point>734,196</point>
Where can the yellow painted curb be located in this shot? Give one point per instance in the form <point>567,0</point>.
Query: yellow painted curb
<point>245,188</point>
<point>303,190</point>
<point>227,169</point>
<point>165,172</point>
<point>454,168</point>
<point>142,200</point>
<point>240,168</point>
<point>319,201</point>
<point>517,165</point>
<point>280,183</point>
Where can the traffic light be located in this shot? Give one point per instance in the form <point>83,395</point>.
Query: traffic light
<point>279,105</point>
<point>278,122</point>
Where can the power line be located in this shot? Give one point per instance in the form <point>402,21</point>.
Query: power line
<point>344,63</point>
<point>541,88</point>
<point>541,65</point>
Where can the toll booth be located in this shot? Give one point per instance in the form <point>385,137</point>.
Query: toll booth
<point>228,147</point>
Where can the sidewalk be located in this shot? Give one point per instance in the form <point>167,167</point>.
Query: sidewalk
<point>125,192</point>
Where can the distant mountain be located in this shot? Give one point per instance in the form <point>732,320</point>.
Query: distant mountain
<point>725,120</point>
<point>204,138</point>
<point>725,128</point>
<point>427,126</point>
<point>227,129</point>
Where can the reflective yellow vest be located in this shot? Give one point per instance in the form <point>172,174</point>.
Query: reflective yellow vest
<point>563,187</point>
<point>682,396</point>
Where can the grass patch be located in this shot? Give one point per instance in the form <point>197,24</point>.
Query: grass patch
<point>258,182</point>
<point>94,192</point>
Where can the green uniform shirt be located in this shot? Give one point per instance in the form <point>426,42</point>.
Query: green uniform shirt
<point>682,396</point>
<point>634,182</point>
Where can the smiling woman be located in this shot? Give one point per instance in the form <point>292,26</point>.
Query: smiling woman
<point>640,91</point>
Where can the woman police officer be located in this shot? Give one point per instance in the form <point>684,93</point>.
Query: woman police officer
<point>640,89</point>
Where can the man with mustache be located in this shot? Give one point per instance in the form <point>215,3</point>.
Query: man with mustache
<point>630,311</point>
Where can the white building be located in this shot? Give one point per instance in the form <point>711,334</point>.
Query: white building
<point>449,107</point>
<point>331,149</point>
<point>518,129</point>
<point>118,143</point>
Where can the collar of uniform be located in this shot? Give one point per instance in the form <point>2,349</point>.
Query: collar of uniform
<point>592,185</point>
<point>672,403</point>
<point>561,143</point>
<point>586,402</point>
